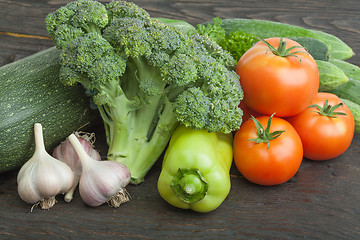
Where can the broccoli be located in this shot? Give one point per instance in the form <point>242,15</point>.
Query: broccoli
<point>145,77</point>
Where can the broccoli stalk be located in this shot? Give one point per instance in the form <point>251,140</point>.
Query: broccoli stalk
<point>145,77</point>
<point>132,145</point>
<point>137,135</point>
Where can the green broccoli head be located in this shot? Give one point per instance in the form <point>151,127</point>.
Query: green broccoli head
<point>148,58</point>
<point>213,49</point>
<point>180,69</point>
<point>193,108</point>
<point>92,56</point>
<point>122,9</point>
<point>128,36</point>
<point>146,77</point>
<point>75,19</point>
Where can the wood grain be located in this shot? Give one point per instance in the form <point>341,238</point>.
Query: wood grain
<point>321,202</point>
<point>340,18</point>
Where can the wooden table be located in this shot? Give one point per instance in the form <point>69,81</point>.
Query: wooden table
<point>321,202</point>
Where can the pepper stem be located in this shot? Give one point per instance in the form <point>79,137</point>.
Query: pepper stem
<point>190,185</point>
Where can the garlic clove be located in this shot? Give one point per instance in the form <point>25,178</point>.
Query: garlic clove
<point>43,177</point>
<point>66,153</point>
<point>30,195</point>
<point>101,181</point>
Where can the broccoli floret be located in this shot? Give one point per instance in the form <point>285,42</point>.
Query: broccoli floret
<point>76,19</point>
<point>122,9</point>
<point>145,77</point>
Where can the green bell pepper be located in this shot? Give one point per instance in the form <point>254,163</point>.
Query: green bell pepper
<point>195,170</point>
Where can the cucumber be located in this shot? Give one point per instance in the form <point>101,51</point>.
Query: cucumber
<point>355,110</point>
<point>31,92</point>
<point>330,76</point>
<point>351,70</point>
<point>349,90</point>
<point>349,93</point>
<point>265,29</point>
<point>317,49</point>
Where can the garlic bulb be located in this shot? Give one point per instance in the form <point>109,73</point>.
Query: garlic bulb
<point>66,153</point>
<point>101,181</point>
<point>43,177</point>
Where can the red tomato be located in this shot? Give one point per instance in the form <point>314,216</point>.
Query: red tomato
<point>324,137</point>
<point>266,164</point>
<point>275,84</point>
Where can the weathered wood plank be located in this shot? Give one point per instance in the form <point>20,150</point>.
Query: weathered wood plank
<point>340,18</point>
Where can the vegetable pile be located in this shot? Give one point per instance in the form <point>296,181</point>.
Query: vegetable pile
<point>261,93</point>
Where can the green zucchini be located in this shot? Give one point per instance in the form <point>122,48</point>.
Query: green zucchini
<point>351,70</point>
<point>31,92</point>
<point>265,29</point>
<point>355,110</point>
<point>330,76</point>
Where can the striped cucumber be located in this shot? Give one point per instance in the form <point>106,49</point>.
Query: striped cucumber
<point>265,29</point>
<point>351,70</point>
<point>349,90</point>
<point>317,49</point>
<point>355,110</point>
<point>330,76</point>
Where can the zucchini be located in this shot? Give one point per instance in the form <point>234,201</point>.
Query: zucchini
<point>351,70</point>
<point>355,110</point>
<point>330,76</point>
<point>317,49</point>
<point>265,29</point>
<point>31,92</point>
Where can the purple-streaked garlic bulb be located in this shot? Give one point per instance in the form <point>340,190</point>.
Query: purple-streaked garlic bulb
<point>66,153</point>
<point>101,181</point>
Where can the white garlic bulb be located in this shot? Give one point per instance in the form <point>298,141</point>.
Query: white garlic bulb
<point>43,177</point>
<point>66,153</point>
<point>101,181</point>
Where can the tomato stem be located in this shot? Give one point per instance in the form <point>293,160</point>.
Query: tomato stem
<point>328,110</point>
<point>264,135</point>
<point>281,50</point>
